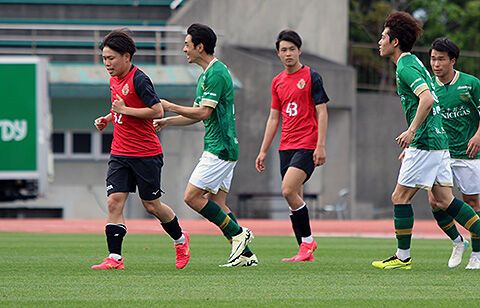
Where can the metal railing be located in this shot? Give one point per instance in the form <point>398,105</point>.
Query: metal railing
<point>58,41</point>
<point>378,74</point>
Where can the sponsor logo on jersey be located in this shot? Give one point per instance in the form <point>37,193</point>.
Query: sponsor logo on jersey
<point>125,89</point>
<point>301,84</point>
<point>464,87</point>
<point>455,112</point>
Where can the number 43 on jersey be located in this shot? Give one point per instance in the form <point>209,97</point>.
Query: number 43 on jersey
<point>292,109</point>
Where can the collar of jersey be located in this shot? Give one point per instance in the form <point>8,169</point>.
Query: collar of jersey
<point>403,55</point>
<point>210,64</point>
<point>455,78</point>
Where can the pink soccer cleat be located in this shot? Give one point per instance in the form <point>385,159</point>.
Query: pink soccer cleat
<point>182,252</point>
<point>292,259</point>
<point>109,263</point>
<point>305,254</point>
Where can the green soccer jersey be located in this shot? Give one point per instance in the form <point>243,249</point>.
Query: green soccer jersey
<point>412,79</point>
<point>460,103</point>
<point>215,90</point>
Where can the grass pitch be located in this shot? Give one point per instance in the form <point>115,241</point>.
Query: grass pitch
<point>45,270</point>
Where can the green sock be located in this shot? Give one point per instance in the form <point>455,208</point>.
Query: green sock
<point>446,223</point>
<point>475,240</point>
<point>464,215</point>
<point>215,214</point>
<point>246,252</point>
<point>403,220</point>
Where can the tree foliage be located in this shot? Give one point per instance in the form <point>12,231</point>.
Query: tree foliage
<point>458,20</point>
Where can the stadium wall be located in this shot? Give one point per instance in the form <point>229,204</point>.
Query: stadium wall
<point>323,24</point>
<point>380,119</point>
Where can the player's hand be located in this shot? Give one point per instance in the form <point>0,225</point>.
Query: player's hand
<point>401,156</point>
<point>259,162</point>
<point>158,124</point>
<point>100,123</point>
<point>165,104</point>
<point>405,138</point>
<point>319,156</point>
<point>473,146</point>
<point>118,105</point>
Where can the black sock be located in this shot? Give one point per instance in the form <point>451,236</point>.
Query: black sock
<point>173,228</point>
<point>115,234</point>
<point>302,221</point>
<point>295,229</point>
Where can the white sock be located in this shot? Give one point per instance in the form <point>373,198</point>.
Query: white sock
<point>115,256</point>
<point>301,206</point>
<point>181,240</point>
<point>403,254</point>
<point>476,254</point>
<point>458,240</point>
<point>307,239</point>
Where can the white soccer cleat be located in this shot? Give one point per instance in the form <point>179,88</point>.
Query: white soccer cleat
<point>457,254</point>
<point>239,242</point>
<point>473,263</point>
<point>242,261</point>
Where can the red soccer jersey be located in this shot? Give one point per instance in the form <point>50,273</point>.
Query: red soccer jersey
<point>296,96</point>
<point>132,136</point>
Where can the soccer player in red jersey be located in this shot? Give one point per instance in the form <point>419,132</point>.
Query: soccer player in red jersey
<point>298,97</point>
<point>136,155</point>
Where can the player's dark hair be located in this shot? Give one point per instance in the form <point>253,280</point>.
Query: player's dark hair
<point>121,41</point>
<point>205,35</point>
<point>405,28</point>
<point>443,44</point>
<point>289,36</point>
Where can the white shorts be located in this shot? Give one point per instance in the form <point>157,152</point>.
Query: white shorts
<point>213,173</point>
<point>423,169</point>
<point>466,173</point>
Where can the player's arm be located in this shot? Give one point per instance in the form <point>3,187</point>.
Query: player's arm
<point>320,155</point>
<point>270,131</point>
<point>172,121</point>
<point>320,97</point>
<point>419,87</point>
<point>214,86</point>
<point>102,122</point>
<point>425,104</point>
<point>199,113</point>
<point>474,142</point>
<point>146,92</point>
<point>152,112</point>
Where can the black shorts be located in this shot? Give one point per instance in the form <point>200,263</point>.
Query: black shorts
<point>301,159</point>
<point>125,173</point>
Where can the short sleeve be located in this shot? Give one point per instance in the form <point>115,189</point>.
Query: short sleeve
<point>144,88</point>
<point>214,87</point>
<point>318,92</point>
<point>275,99</point>
<point>476,92</point>
<point>413,79</point>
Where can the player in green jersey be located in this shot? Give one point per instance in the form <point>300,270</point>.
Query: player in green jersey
<point>209,183</point>
<point>459,96</point>
<point>425,159</point>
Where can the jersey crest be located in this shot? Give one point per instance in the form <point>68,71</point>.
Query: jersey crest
<point>125,89</point>
<point>301,84</point>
